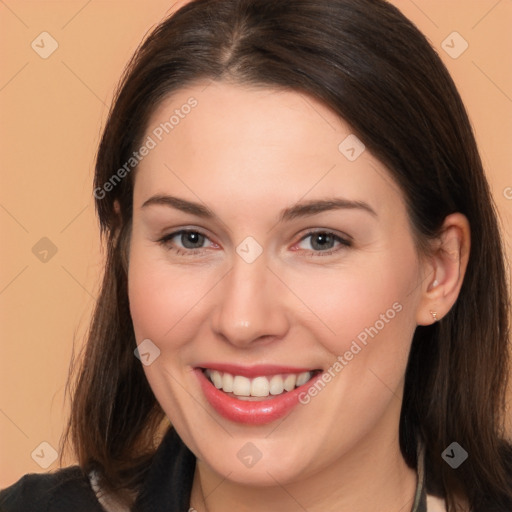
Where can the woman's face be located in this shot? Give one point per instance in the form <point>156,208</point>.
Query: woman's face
<point>297,257</point>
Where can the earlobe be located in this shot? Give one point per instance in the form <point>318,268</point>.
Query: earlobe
<point>447,267</point>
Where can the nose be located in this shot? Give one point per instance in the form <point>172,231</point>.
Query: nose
<point>251,305</point>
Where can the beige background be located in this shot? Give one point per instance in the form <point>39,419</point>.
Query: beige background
<point>52,111</point>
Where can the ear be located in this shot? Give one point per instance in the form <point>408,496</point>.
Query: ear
<point>445,269</point>
<point>116,205</point>
<point>117,220</point>
<point>122,236</point>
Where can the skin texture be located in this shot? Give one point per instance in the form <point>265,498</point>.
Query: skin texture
<point>247,154</point>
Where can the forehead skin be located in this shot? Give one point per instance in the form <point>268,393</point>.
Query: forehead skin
<point>257,147</point>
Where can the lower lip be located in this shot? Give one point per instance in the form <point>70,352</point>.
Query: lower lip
<point>251,412</point>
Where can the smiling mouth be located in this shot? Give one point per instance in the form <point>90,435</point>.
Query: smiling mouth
<point>260,387</point>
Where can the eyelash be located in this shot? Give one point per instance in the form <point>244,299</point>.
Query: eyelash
<point>165,241</point>
<point>344,243</point>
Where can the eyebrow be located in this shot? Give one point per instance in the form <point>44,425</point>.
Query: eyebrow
<point>183,205</point>
<point>314,207</point>
<point>304,209</point>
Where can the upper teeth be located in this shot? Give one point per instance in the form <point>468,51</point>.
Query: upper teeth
<point>259,386</point>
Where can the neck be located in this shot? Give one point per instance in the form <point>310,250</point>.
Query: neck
<point>371,478</point>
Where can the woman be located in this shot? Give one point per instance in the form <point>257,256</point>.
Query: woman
<point>304,276</point>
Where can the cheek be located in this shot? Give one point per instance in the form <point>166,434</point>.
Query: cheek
<point>164,299</point>
<point>365,304</point>
<point>366,301</point>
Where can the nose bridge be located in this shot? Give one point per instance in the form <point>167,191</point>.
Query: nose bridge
<point>249,306</point>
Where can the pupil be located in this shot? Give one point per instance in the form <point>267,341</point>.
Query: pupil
<point>322,241</point>
<point>192,240</point>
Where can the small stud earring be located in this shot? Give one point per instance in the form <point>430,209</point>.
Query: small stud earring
<point>435,283</point>
<point>434,315</point>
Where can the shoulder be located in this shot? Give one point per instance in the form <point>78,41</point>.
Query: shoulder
<point>64,490</point>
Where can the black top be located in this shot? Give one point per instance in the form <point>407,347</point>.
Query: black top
<point>167,486</point>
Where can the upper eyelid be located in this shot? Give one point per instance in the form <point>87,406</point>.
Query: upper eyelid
<point>172,234</point>
<point>342,240</point>
<point>336,233</point>
<point>310,232</point>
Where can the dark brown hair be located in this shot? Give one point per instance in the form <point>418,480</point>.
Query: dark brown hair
<point>371,66</point>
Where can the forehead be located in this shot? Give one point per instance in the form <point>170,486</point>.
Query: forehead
<point>220,139</point>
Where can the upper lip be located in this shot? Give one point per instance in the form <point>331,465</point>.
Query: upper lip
<point>254,370</point>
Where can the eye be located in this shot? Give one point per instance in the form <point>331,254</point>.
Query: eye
<point>323,243</point>
<point>186,241</point>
